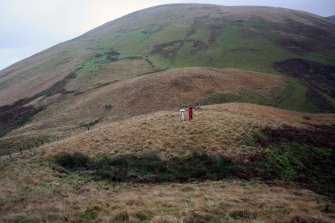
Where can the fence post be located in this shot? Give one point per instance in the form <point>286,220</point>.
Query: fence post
<point>21,150</point>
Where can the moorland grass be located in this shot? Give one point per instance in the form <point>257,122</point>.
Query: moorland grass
<point>300,163</point>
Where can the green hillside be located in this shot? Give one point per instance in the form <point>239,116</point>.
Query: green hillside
<point>214,36</point>
<point>190,35</point>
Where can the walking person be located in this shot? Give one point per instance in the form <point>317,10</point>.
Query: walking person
<point>190,112</point>
<point>182,118</point>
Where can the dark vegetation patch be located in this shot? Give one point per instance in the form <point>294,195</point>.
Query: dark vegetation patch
<point>289,155</point>
<point>317,136</point>
<point>149,167</point>
<point>198,44</point>
<point>72,161</point>
<point>295,46</point>
<point>303,156</point>
<point>320,35</point>
<point>99,57</point>
<point>170,49</point>
<point>167,50</point>
<point>18,114</point>
<point>14,116</point>
<point>318,77</point>
<point>108,56</point>
<point>132,58</point>
<point>319,100</point>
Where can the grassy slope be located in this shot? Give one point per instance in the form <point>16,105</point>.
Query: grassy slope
<point>217,129</point>
<point>245,42</point>
<point>252,51</point>
<point>189,35</point>
<point>181,35</point>
<point>167,90</point>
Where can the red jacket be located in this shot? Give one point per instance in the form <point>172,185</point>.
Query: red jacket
<point>190,110</point>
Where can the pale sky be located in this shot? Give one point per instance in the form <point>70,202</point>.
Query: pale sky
<point>30,26</point>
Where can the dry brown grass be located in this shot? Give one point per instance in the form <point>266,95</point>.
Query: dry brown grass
<point>31,191</point>
<point>216,129</point>
<point>166,90</point>
<point>38,73</point>
<point>175,87</point>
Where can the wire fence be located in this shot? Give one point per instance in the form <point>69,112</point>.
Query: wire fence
<point>31,148</point>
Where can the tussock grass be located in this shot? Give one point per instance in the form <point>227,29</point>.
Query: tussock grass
<point>59,197</point>
<point>165,90</point>
<point>31,190</point>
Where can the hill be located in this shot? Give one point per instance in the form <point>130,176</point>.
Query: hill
<point>66,88</point>
<point>165,90</point>
<point>34,188</point>
<point>90,129</point>
<point>331,17</point>
<point>190,35</point>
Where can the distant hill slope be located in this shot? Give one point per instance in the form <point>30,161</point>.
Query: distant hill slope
<point>251,38</point>
<point>81,76</point>
<point>331,17</point>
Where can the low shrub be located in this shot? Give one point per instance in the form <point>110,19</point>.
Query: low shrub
<point>303,156</point>
<point>72,161</point>
<point>149,167</point>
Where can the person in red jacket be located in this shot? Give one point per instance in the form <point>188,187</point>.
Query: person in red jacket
<point>190,112</point>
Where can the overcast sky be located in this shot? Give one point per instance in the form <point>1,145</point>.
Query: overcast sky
<point>30,26</point>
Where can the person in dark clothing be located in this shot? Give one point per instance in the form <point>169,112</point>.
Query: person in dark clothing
<point>190,112</point>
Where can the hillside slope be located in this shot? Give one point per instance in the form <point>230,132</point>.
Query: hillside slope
<point>166,90</point>
<point>66,88</point>
<point>217,128</point>
<point>331,17</point>
<point>53,194</point>
<point>251,38</point>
